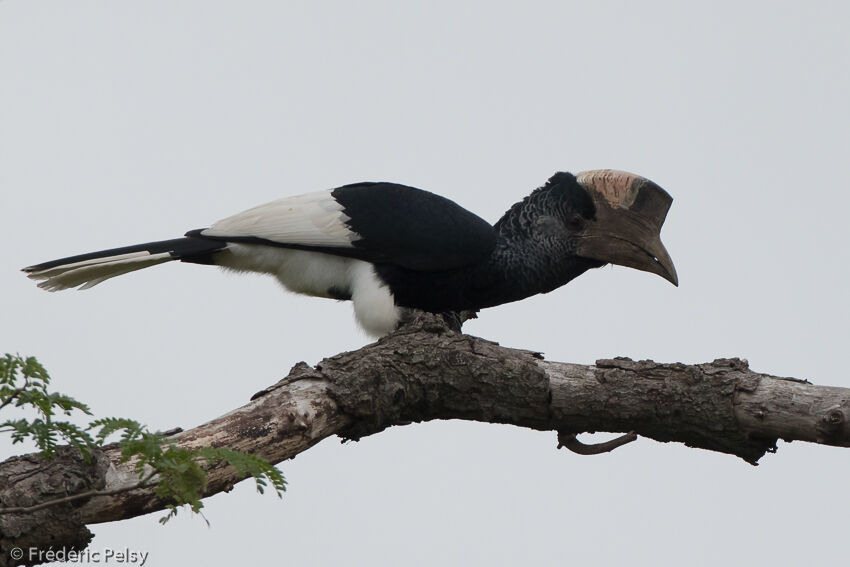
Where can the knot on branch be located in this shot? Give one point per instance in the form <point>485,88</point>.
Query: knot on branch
<point>30,480</point>
<point>832,426</point>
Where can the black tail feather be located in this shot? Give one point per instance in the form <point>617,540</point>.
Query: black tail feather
<point>88,270</point>
<point>193,249</point>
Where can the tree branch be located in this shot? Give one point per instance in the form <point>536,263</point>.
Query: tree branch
<point>570,441</point>
<point>79,496</point>
<point>428,371</point>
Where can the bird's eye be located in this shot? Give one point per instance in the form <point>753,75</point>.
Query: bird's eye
<point>574,221</point>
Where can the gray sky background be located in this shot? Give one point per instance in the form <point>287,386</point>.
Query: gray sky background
<point>124,122</point>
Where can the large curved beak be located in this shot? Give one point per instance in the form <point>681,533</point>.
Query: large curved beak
<point>630,211</point>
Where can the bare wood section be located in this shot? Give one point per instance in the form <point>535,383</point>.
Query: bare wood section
<point>427,371</point>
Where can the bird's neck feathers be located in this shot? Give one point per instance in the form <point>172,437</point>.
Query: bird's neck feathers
<point>535,253</point>
<point>560,193</point>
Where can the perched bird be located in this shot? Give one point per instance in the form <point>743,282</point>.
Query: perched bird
<point>389,247</point>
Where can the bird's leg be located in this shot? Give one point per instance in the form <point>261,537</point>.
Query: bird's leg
<point>414,319</point>
<point>452,320</point>
<point>456,319</point>
<point>571,442</point>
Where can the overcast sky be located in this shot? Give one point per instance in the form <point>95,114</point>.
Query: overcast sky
<point>124,122</point>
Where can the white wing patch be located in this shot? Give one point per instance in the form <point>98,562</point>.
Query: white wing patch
<point>313,219</point>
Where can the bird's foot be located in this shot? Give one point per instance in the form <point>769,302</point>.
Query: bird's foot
<point>435,322</point>
<point>456,319</point>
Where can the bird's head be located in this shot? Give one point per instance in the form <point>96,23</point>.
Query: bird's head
<point>626,222</point>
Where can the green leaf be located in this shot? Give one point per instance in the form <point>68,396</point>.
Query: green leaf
<point>180,472</point>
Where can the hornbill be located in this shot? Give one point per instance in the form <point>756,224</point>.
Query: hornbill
<point>389,247</point>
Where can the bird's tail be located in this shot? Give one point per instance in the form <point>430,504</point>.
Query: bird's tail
<point>87,270</point>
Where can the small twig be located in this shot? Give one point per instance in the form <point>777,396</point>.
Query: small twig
<point>171,432</point>
<point>571,442</point>
<point>14,394</point>
<point>28,509</point>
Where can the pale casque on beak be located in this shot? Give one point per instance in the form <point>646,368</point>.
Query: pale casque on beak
<point>630,211</point>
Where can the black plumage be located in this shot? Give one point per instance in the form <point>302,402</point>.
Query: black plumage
<point>411,228</point>
<point>388,247</point>
<point>531,252</point>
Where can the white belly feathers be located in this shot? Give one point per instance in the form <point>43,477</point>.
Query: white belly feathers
<point>316,274</point>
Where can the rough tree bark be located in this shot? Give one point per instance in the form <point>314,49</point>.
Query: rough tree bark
<point>427,371</point>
